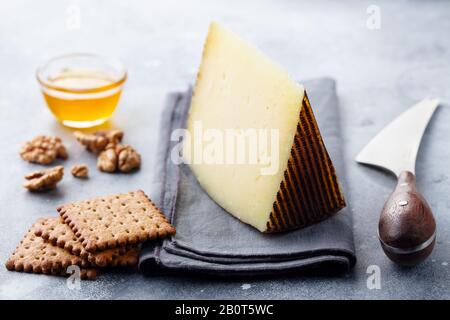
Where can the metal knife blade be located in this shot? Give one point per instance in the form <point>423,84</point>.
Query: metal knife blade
<point>395,147</point>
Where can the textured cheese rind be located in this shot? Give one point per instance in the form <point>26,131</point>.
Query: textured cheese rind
<point>310,191</point>
<point>240,88</point>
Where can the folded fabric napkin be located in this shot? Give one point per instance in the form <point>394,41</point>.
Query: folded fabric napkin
<point>211,241</point>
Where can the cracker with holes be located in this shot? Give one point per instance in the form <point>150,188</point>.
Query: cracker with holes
<point>119,257</point>
<point>115,221</point>
<point>55,231</point>
<point>35,255</point>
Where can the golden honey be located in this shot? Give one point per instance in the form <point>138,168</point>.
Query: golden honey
<point>81,97</point>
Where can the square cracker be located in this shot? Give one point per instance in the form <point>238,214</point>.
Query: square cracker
<point>55,231</point>
<point>115,221</point>
<point>121,257</point>
<point>35,255</point>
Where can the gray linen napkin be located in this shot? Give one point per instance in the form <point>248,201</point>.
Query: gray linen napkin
<point>211,241</point>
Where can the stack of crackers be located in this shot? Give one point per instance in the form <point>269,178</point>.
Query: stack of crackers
<point>91,234</point>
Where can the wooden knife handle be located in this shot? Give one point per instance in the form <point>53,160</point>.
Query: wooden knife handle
<point>407,226</point>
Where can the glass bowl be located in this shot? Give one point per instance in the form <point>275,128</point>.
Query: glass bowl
<point>82,90</point>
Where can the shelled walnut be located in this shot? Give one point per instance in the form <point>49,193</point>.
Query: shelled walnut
<point>113,136</point>
<point>43,149</point>
<point>97,141</point>
<point>120,157</point>
<point>80,171</point>
<point>44,179</point>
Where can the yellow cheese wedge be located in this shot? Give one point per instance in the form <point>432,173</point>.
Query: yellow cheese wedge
<point>253,142</point>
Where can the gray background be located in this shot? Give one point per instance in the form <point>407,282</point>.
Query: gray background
<point>379,73</point>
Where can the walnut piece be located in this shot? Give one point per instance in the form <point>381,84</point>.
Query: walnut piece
<point>129,159</point>
<point>44,179</point>
<point>92,142</point>
<point>80,171</point>
<point>120,157</point>
<point>43,149</point>
<point>96,142</point>
<point>113,136</point>
<point>107,159</point>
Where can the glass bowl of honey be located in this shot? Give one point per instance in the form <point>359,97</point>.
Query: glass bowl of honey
<point>82,90</point>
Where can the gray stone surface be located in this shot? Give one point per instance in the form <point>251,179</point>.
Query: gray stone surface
<point>379,73</point>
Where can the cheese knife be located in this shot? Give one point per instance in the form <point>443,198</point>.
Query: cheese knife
<point>407,229</point>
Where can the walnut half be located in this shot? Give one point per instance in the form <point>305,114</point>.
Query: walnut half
<point>43,149</point>
<point>80,171</point>
<point>120,157</point>
<point>96,142</point>
<point>44,179</point>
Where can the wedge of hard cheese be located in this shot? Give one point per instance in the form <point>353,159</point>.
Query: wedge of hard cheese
<point>283,179</point>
